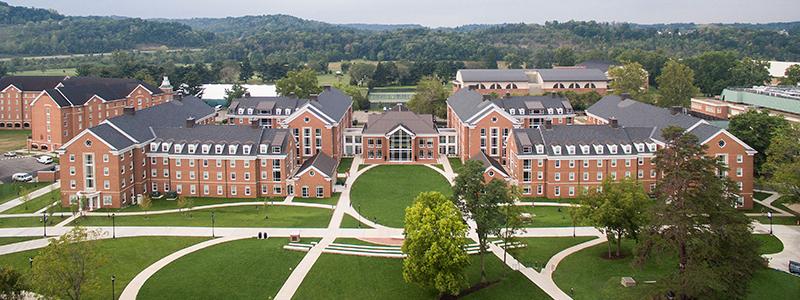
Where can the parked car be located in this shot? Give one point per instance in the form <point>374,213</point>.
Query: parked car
<point>794,267</point>
<point>22,177</point>
<point>218,108</point>
<point>10,154</point>
<point>44,159</point>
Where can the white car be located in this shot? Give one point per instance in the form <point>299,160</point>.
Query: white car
<point>22,177</point>
<point>44,159</point>
<point>10,154</point>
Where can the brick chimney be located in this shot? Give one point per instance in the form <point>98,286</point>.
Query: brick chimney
<point>190,122</point>
<point>128,110</point>
<point>613,122</point>
<point>313,97</point>
<point>255,124</point>
<point>548,124</point>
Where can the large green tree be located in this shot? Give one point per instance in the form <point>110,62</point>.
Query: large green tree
<point>301,83</point>
<point>235,92</point>
<point>245,70</point>
<point>676,85</point>
<point>359,100</point>
<point>792,75</point>
<point>693,219</point>
<point>430,97</point>
<point>757,129</point>
<point>67,267</point>
<point>749,72</point>
<point>618,209</point>
<point>12,284</point>
<point>629,78</point>
<point>652,61</point>
<point>361,74</point>
<point>782,168</point>
<point>565,56</point>
<point>434,244</point>
<point>712,70</point>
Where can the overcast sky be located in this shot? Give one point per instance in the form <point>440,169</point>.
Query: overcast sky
<point>444,12</point>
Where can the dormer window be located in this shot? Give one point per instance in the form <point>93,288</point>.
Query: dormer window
<point>521,111</point>
<point>639,147</point>
<point>585,149</point>
<point>153,146</point>
<point>240,111</point>
<point>232,149</point>
<point>165,147</point>
<point>262,149</point>
<point>249,111</point>
<point>539,149</point>
<point>218,149</point>
<point>288,111</point>
<point>206,148</point>
<point>526,149</point>
<point>627,149</point>
<point>557,150</point>
<point>598,149</point>
<point>178,148</point>
<point>560,110</point>
<point>511,111</point>
<point>612,149</point>
<point>277,111</point>
<point>549,111</point>
<point>276,149</point>
<point>651,147</point>
<point>246,149</point>
<point>192,148</point>
<point>571,149</point>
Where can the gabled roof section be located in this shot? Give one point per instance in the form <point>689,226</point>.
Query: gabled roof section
<point>467,104</point>
<point>322,163</point>
<point>632,113</point>
<point>113,137</point>
<point>170,114</point>
<point>533,102</point>
<point>389,121</point>
<point>79,90</point>
<point>489,162</point>
<point>571,74</point>
<point>31,83</point>
<point>486,75</point>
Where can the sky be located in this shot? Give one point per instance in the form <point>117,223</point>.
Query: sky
<point>449,13</point>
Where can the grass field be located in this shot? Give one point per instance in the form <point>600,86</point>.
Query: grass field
<point>48,72</point>
<point>455,163</point>
<point>595,277</point>
<point>539,250</point>
<point>769,243</point>
<point>777,220</point>
<point>238,216</point>
<point>126,257</point>
<point>760,195</point>
<point>37,203</point>
<point>245,269</point>
<point>382,278</point>
<point>548,216</point>
<point>28,222</point>
<point>161,204</point>
<point>384,192</point>
<point>350,222</point>
<point>12,139</point>
<point>332,200</point>
<point>16,239</point>
<point>10,191</point>
<point>344,164</point>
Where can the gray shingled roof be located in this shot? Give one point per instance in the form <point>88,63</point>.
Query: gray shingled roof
<point>485,75</point>
<point>633,113</point>
<point>31,83</point>
<point>170,114</point>
<point>533,102</point>
<point>332,102</point>
<point>389,120</point>
<point>324,163</point>
<point>487,161</point>
<point>111,136</point>
<point>466,103</point>
<point>572,74</point>
<point>223,135</point>
<point>577,135</point>
<point>705,131</point>
<point>602,65</point>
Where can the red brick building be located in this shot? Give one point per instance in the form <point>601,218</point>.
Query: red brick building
<point>16,95</point>
<point>398,137</point>
<point>59,114</point>
<point>316,177</point>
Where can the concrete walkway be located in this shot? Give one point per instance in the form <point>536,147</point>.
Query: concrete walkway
<point>768,203</point>
<point>132,289</point>
<point>790,237</point>
<point>32,195</point>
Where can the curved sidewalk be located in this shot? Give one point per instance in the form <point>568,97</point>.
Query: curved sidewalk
<point>132,289</point>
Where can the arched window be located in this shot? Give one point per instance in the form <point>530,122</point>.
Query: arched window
<point>558,86</point>
<point>574,85</point>
<point>589,86</point>
<point>511,86</point>
<point>481,86</point>
<point>495,86</point>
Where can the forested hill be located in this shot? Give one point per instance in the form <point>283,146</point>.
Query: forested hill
<point>29,31</point>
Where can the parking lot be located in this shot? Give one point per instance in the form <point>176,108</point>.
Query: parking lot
<point>22,164</point>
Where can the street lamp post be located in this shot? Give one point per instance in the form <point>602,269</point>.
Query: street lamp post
<point>769,216</point>
<point>359,214</point>
<point>113,227</point>
<point>44,224</point>
<point>213,234</point>
<point>113,292</point>
<point>30,261</point>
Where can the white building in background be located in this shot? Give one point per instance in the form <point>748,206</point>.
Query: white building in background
<point>777,70</point>
<point>216,92</point>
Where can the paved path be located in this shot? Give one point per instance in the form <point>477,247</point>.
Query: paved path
<point>768,203</point>
<point>790,237</point>
<point>18,201</point>
<point>132,289</point>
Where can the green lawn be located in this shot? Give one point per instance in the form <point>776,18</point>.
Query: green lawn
<point>244,269</point>
<point>15,239</point>
<point>384,192</point>
<point>13,139</point>
<point>539,250</point>
<point>761,195</point>
<point>769,243</point>
<point>28,222</point>
<point>548,216</point>
<point>126,257</point>
<point>455,163</point>
<point>332,200</point>
<point>777,220</point>
<point>238,216</point>
<point>162,204</point>
<point>48,72</point>
<point>36,204</point>
<point>757,208</point>
<point>350,222</point>
<point>10,191</point>
<point>595,277</point>
<point>382,278</point>
<point>543,199</point>
<point>344,164</point>
<point>781,203</point>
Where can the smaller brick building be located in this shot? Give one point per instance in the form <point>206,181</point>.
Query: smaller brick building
<point>398,137</point>
<point>316,177</point>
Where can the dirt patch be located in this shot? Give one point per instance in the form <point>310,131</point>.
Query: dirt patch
<point>795,207</point>
<point>384,241</point>
<point>470,290</point>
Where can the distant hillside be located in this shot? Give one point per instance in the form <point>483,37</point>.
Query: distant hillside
<point>381,27</point>
<point>31,31</point>
<point>21,15</point>
<point>248,25</point>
